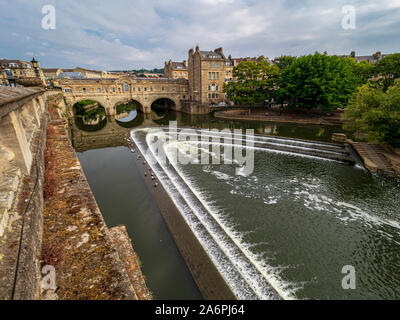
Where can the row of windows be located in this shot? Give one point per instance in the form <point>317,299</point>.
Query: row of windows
<point>213,75</point>
<point>180,74</point>
<point>213,96</point>
<point>215,64</point>
<point>125,88</point>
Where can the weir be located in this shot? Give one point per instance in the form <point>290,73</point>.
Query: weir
<point>232,261</point>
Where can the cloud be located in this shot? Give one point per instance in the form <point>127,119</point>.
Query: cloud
<point>126,34</point>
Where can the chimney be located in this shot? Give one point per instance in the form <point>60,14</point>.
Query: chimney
<point>197,48</point>
<point>219,50</point>
<point>184,63</point>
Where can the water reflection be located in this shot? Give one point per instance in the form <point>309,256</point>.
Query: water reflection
<point>114,128</point>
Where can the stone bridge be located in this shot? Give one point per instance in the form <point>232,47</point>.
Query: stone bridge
<point>172,93</point>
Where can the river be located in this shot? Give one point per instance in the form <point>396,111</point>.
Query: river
<point>296,220</point>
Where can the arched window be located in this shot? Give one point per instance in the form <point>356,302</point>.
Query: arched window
<point>127,87</point>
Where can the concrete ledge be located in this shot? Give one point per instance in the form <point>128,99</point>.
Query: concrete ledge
<point>123,244</point>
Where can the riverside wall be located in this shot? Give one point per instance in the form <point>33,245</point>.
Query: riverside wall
<point>48,214</point>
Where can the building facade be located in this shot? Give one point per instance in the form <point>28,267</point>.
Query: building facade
<point>18,72</point>
<point>175,70</point>
<point>207,73</point>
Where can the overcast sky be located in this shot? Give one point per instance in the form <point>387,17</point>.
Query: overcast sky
<point>129,34</point>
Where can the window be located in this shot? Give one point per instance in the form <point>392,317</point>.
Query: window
<point>98,89</point>
<point>126,87</point>
<point>145,89</point>
<point>84,89</point>
<point>113,89</point>
<point>67,90</point>
<point>162,89</point>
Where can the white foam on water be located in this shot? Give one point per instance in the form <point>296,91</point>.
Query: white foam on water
<point>187,212</point>
<point>271,274</point>
<point>346,212</point>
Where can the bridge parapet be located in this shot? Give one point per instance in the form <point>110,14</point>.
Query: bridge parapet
<point>23,122</point>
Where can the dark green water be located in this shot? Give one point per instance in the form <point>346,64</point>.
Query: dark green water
<point>304,219</point>
<point>123,198</point>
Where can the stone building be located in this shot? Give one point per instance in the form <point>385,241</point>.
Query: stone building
<point>18,72</point>
<point>373,58</point>
<point>51,73</point>
<point>3,78</point>
<point>206,70</point>
<point>175,70</point>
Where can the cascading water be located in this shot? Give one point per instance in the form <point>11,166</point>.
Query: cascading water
<point>287,229</point>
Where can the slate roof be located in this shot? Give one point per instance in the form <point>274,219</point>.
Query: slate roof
<point>211,54</point>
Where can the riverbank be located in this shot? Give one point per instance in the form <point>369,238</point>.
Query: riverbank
<point>279,116</point>
<point>91,261</point>
<point>378,158</point>
<point>208,279</point>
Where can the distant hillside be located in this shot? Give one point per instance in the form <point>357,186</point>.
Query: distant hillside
<point>155,70</point>
<point>141,71</point>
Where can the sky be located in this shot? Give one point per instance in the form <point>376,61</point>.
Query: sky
<point>131,34</point>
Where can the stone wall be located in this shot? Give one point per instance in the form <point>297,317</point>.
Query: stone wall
<point>22,143</point>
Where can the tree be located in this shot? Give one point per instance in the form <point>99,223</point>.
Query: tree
<point>318,81</point>
<point>255,81</point>
<point>375,113</point>
<point>389,69</point>
<point>285,61</point>
<point>364,70</point>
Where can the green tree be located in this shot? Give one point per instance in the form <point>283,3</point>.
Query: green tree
<point>255,81</point>
<point>318,81</point>
<point>364,70</point>
<point>375,113</point>
<point>389,69</point>
<point>285,61</point>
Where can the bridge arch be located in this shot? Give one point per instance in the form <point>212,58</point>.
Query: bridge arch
<point>89,114</point>
<point>139,105</point>
<point>164,103</point>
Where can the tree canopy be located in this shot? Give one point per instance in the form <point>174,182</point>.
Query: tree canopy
<point>389,69</point>
<point>318,81</point>
<point>255,81</point>
<point>375,113</point>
